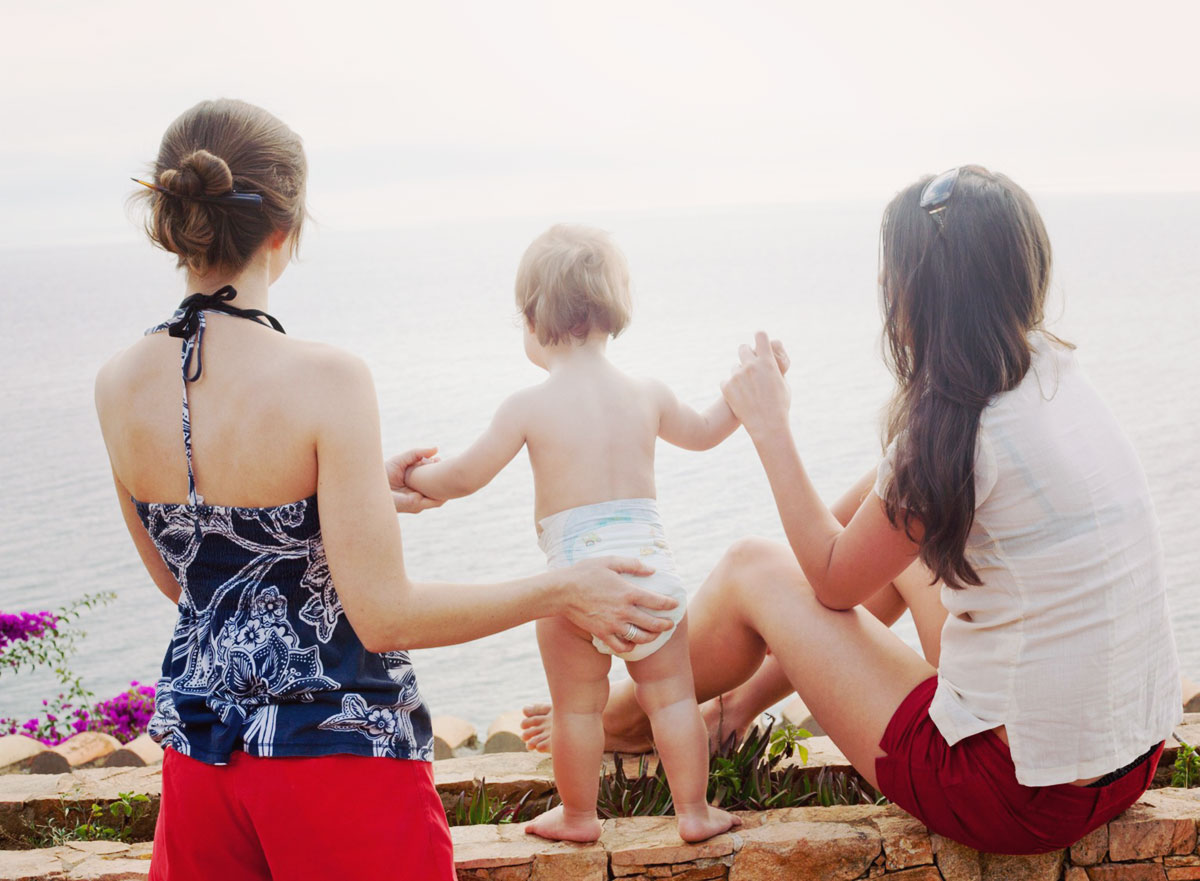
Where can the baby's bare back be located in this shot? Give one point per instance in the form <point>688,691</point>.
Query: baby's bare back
<point>591,432</point>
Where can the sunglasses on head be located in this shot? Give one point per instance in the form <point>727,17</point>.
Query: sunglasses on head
<point>937,192</point>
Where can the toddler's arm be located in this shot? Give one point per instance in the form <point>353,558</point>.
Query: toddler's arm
<point>682,426</point>
<point>474,469</point>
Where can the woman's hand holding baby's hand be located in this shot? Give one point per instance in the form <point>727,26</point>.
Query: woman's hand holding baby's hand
<point>756,392</point>
<point>604,604</point>
<point>781,356</point>
<point>407,499</point>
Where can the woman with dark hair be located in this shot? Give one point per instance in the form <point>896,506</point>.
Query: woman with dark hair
<point>1039,713</point>
<point>297,742</point>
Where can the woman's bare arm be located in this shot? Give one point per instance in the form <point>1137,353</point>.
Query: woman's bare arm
<point>362,542</point>
<point>852,499</point>
<point>844,565</point>
<point>151,558</point>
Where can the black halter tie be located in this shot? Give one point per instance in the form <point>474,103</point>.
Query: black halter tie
<point>186,324</point>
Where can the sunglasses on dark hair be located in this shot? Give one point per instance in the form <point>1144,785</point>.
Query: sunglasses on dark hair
<point>232,197</point>
<point>937,193</point>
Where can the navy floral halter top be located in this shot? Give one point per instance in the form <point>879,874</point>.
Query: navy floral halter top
<point>262,658</point>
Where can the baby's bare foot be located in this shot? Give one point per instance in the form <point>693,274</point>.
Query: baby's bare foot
<point>539,721</point>
<point>557,826</point>
<point>705,823</point>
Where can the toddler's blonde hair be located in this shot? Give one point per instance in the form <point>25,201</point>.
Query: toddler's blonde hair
<point>573,280</point>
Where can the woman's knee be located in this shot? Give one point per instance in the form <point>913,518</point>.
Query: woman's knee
<point>760,566</point>
<point>753,553</point>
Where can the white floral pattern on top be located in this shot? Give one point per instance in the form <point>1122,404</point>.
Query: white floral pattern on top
<point>388,726</point>
<point>323,608</point>
<point>261,655</point>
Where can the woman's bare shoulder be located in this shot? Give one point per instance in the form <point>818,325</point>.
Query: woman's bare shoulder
<point>323,367</point>
<point>128,369</point>
<point>329,385</point>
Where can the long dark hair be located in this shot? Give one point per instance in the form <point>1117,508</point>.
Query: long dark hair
<point>959,300</point>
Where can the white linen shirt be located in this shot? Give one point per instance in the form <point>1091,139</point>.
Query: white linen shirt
<point>1067,643</point>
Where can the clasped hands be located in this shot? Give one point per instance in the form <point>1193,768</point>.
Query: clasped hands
<point>406,499</point>
<point>756,391</point>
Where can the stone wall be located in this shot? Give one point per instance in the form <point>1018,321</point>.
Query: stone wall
<point>1155,839</point>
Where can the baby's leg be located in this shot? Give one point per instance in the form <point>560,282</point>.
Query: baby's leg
<point>578,679</point>
<point>663,685</point>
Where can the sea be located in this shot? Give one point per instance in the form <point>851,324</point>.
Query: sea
<point>430,309</point>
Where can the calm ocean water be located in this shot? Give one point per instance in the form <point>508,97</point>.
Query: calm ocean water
<point>430,310</point>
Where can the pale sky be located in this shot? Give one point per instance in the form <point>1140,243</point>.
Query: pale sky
<point>426,111</point>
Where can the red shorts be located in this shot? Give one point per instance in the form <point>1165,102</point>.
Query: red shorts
<point>292,819</point>
<point>969,792</point>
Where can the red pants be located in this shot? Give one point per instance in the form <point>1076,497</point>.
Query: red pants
<point>969,792</point>
<point>292,819</point>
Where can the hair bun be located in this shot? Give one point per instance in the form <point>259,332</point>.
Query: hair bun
<point>199,174</point>
<point>191,219</point>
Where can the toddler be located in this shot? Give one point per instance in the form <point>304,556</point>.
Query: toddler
<point>590,431</point>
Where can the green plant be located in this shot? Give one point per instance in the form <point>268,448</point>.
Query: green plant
<point>52,645</point>
<point>1186,771</point>
<point>751,773</point>
<point>124,812</point>
<point>788,740</point>
<point>114,821</point>
<point>47,639</point>
<point>831,787</point>
<point>645,795</point>
<point>477,806</point>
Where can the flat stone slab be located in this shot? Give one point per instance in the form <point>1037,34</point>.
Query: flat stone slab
<point>507,775</point>
<point>851,814</point>
<point>655,841</point>
<point>78,861</point>
<point>806,850</point>
<point>29,801</point>
<point>487,847</point>
<point>1161,823</point>
<point>510,775</point>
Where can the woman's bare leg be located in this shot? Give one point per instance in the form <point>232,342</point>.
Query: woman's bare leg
<point>736,710</point>
<point>849,669</point>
